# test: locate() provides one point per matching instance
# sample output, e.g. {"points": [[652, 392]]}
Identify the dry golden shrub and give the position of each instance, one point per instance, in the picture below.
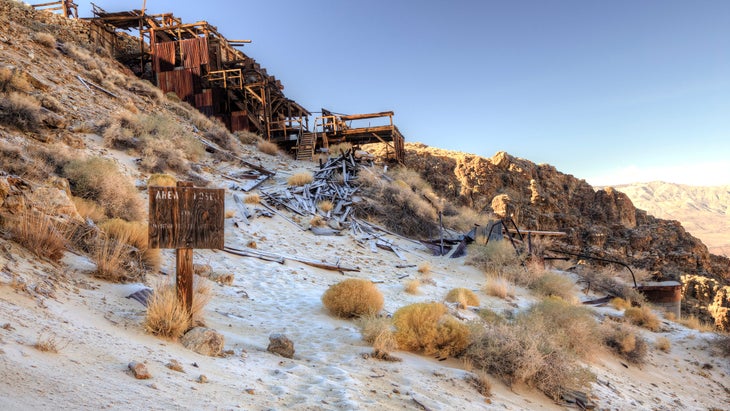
{"points": [[165, 316], [412, 286], [99, 179], [643, 317], [317, 221], [109, 255], [663, 344], [693, 322], [325, 206], [464, 297], [252, 199], [336, 150], [479, 379], [553, 284], [89, 209], [247, 137], [624, 341], [424, 268], [494, 257], [353, 297], [619, 303], [161, 180], [47, 343], [267, 147], [300, 179], [135, 233], [20, 111], [570, 326], [13, 80], [427, 328], [499, 287], [39, 234], [378, 331]]}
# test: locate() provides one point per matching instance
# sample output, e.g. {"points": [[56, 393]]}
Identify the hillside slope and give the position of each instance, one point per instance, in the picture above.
{"points": [[703, 211]]}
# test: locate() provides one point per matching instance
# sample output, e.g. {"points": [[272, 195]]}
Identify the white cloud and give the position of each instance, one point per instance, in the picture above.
{"points": [[701, 174]]}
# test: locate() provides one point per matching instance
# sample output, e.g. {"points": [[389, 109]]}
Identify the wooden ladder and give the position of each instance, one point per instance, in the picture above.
{"points": [[305, 147]]}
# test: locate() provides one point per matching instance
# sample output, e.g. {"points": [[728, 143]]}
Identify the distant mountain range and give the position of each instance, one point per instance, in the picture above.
{"points": [[703, 211]]}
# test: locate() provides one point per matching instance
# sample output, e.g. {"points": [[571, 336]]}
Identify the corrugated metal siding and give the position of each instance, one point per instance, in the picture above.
{"points": [[204, 102], [239, 121], [164, 58], [179, 81]]}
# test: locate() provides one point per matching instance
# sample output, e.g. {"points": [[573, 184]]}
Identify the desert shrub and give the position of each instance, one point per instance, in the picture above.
{"points": [[353, 297], [164, 140], [39, 234], [611, 281], [81, 56], [144, 88], [553, 284], [723, 344], [536, 349], [427, 328], [51, 103], [267, 147], [166, 317], [493, 258], [480, 380], [463, 297], [247, 137], [695, 323], [173, 97], [424, 268], [135, 233], [490, 316], [99, 179], [33, 161], [663, 344], [222, 138], [109, 255], [47, 342], [378, 332], [325, 206], [159, 156], [412, 286], [13, 80], [619, 303], [161, 180], [499, 287], [336, 150], [571, 327], [624, 341], [300, 179], [252, 199], [317, 221], [643, 317], [22, 112], [89, 209]]}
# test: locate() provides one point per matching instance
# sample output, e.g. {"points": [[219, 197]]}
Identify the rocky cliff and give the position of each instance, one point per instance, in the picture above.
{"points": [[600, 222]]}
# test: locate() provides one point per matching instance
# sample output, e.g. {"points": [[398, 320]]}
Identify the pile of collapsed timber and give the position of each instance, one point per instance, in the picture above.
{"points": [[332, 183]]}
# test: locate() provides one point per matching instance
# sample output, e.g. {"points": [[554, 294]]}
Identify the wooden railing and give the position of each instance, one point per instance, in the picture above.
{"points": [[67, 7]]}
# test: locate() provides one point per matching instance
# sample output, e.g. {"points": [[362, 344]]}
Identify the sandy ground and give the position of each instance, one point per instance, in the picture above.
{"points": [[99, 332]]}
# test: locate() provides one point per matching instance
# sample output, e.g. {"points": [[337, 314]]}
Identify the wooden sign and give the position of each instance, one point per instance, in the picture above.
{"points": [[186, 217]]}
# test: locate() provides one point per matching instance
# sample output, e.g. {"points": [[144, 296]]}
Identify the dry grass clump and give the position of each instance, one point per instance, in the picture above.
{"points": [[165, 145], [464, 297], [353, 297], [144, 88], [300, 179], [427, 328], [267, 147], [480, 380], [252, 199], [221, 137], [643, 317], [412, 286], [325, 206], [247, 137], [136, 235], [123, 131], [611, 281], [624, 341], [378, 332], [619, 303], [167, 317], [553, 284], [499, 287], [20, 111], [494, 257], [695, 323], [663, 344], [540, 347], [51, 103], [89, 209], [99, 179], [109, 254], [424, 268], [317, 221], [47, 343], [39, 234], [161, 180], [336, 150], [13, 80]]}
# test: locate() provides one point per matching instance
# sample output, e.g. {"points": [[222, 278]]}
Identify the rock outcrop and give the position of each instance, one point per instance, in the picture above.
{"points": [[704, 296]]}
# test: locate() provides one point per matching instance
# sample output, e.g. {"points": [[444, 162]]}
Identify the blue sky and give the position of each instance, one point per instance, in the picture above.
{"points": [[609, 91]]}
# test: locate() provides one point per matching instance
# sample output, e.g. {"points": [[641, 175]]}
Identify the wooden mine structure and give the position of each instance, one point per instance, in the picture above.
{"points": [[67, 7], [206, 70]]}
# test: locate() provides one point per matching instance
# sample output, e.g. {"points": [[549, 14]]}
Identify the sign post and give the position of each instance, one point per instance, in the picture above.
{"points": [[184, 218]]}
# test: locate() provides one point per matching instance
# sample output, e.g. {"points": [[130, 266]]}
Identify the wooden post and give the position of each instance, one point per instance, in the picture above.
{"points": [[184, 270], [441, 232]]}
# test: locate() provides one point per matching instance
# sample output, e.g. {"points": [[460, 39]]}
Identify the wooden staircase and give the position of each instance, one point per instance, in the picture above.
{"points": [[305, 146]]}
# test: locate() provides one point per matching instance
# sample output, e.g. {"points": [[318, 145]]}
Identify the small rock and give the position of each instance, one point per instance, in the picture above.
{"points": [[280, 344], [250, 391], [204, 341], [202, 379], [139, 370], [175, 366]]}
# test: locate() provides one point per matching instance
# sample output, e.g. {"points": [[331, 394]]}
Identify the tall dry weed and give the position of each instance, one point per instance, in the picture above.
{"points": [[39, 234]]}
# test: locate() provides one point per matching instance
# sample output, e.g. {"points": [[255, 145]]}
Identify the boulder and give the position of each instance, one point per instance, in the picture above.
{"points": [[139, 370], [204, 341], [280, 344]]}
